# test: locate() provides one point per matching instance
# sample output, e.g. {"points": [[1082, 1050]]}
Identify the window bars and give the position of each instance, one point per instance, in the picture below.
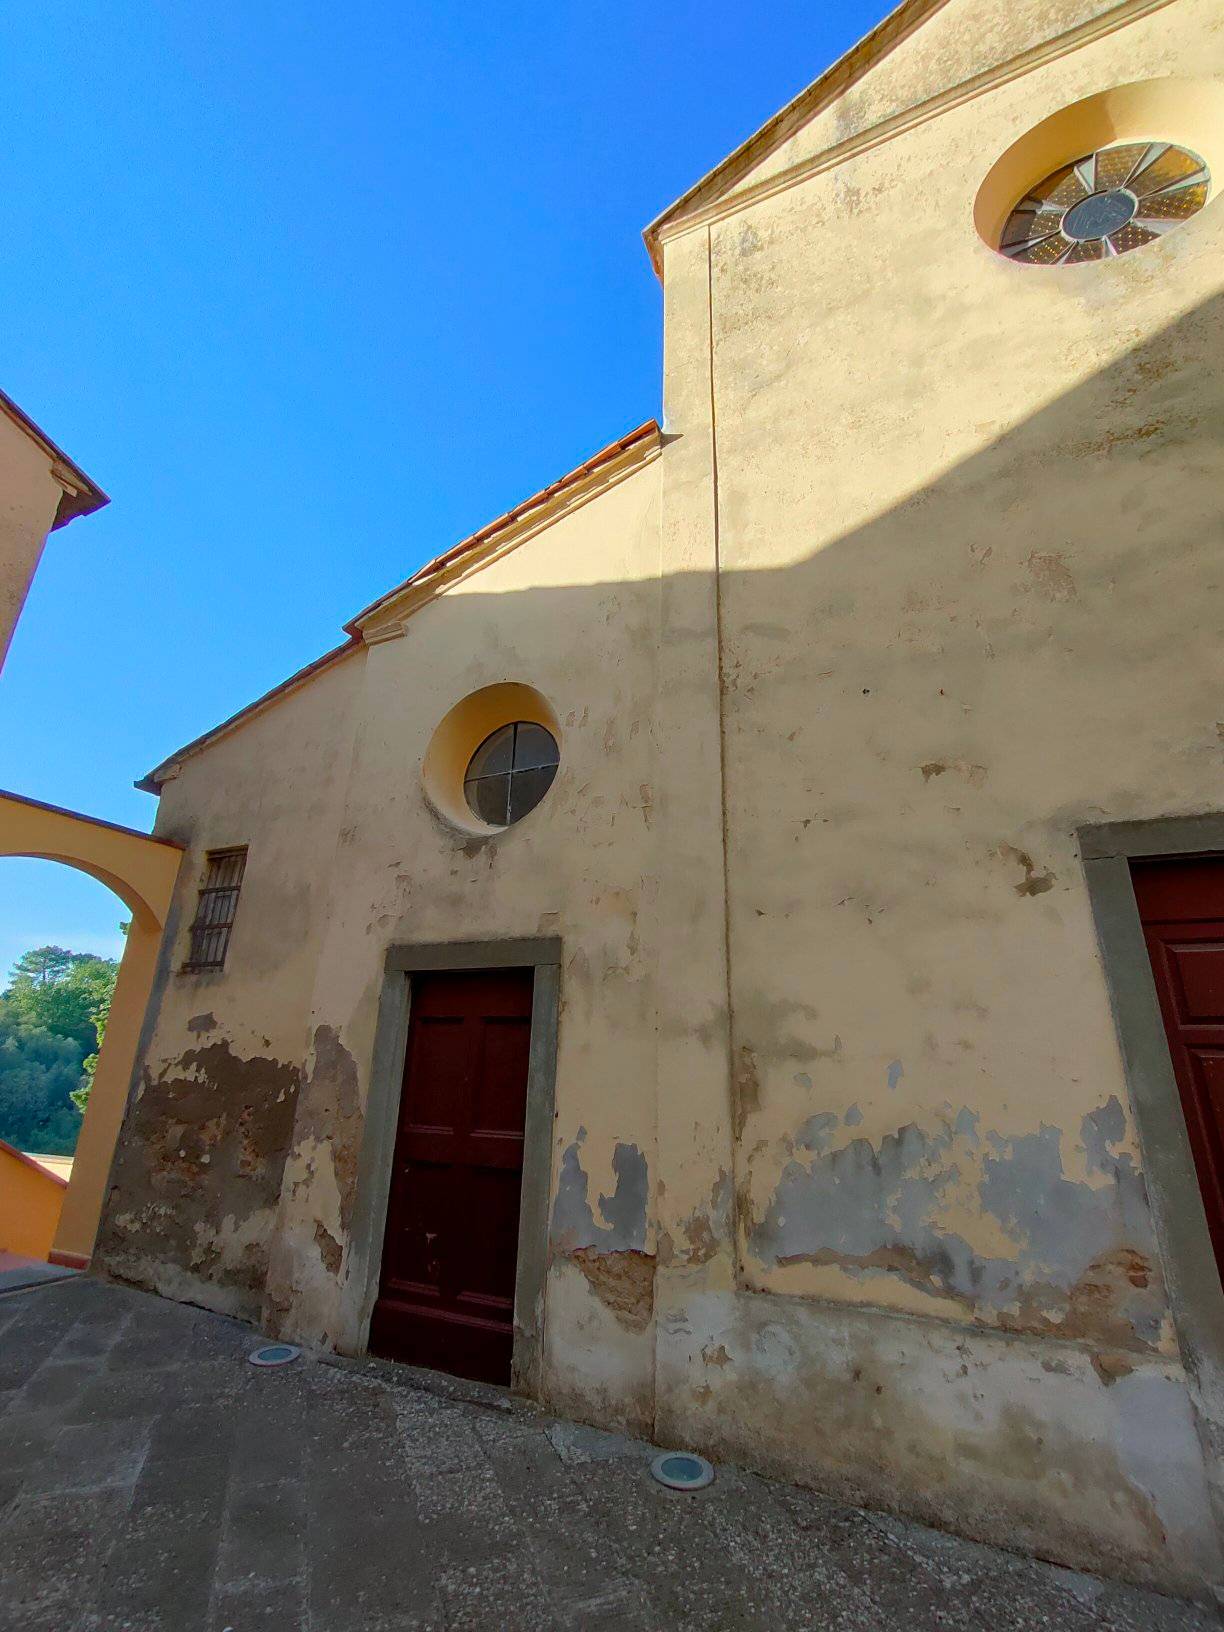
{"points": [[218, 903]]}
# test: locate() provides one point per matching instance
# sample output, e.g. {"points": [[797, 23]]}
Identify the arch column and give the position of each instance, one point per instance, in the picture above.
{"points": [[142, 872]]}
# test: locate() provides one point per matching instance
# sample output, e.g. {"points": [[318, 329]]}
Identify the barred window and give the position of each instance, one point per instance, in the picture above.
{"points": [[218, 904]]}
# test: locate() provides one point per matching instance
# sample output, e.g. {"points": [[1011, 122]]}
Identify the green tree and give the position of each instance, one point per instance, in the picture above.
{"points": [[43, 965], [52, 1019], [99, 1015], [38, 1072], [60, 991]]}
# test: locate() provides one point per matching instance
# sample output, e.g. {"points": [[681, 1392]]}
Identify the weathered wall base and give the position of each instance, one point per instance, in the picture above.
{"points": [[1021, 1442], [598, 1347]]}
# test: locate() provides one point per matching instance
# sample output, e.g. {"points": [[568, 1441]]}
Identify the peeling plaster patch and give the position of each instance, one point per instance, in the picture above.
{"points": [[974, 775], [895, 1072], [200, 1023], [706, 1229], [1033, 882], [1110, 1367], [747, 1089], [853, 1117], [1084, 1260], [1095, 1241], [610, 1254], [330, 1249], [197, 1176], [966, 1125], [1101, 1128], [623, 1212], [329, 1116], [1051, 576], [817, 1132], [622, 1281], [320, 1181]]}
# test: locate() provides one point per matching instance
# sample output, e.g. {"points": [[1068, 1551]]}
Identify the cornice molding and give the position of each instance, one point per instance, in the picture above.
{"points": [[671, 226]]}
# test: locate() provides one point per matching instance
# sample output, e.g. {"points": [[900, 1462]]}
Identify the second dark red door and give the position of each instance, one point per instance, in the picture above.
{"points": [[1181, 905], [450, 1252]]}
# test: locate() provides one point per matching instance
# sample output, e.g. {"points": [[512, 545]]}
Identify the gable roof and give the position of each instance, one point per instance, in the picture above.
{"points": [[81, 495], [642, 439], [469, 554], [908, 16]]}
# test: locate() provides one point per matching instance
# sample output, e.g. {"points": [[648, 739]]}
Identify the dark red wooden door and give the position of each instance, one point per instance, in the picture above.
{"points": [[1181, 905], [446, 1295]]}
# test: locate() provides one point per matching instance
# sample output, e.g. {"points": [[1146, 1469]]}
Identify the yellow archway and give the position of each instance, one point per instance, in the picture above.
{"points": [[141, 871]]}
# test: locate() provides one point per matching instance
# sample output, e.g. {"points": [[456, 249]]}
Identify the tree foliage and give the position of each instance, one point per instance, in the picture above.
{"points": [[52, 1017]]}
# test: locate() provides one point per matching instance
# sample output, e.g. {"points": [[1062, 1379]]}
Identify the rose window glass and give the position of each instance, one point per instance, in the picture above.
{"points": [[1105, 204]]}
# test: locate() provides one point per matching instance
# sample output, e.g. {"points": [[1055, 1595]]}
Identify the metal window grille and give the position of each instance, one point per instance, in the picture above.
{"points": [[218, 903]]}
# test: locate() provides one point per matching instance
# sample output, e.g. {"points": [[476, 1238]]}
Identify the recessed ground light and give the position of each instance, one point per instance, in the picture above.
{"points": [[680, 1470], [274, 1354]]}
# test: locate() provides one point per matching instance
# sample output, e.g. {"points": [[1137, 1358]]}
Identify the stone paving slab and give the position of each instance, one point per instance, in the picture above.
{"points": [[152, 1481], [14, 1276]]}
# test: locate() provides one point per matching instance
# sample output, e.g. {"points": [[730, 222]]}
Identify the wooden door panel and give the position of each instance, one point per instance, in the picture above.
{"points": [[1196, 969], [418, 1261], [450, 1252], [492, 1253], [501, 1095], [438, 1060], [1181, 906]]}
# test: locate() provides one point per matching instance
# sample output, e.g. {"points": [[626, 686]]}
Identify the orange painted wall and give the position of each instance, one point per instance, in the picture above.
{"points": [[31, 1199]]}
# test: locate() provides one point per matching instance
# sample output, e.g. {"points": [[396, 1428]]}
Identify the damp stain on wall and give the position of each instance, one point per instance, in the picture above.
{"points": [[1080, 1258]]}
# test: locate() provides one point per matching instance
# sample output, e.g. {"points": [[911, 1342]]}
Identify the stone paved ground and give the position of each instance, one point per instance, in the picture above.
{"points": [[152, 1481]]}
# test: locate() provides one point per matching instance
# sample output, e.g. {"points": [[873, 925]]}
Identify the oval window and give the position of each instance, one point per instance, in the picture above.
{"points": [[510, 772], [1106, 204]]}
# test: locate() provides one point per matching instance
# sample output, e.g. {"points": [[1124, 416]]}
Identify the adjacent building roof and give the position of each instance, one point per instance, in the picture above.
{"points": [[82, 495], [644, 439]]}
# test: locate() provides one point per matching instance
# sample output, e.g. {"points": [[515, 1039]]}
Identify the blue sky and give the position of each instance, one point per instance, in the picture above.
{"points": [[313, 291]]}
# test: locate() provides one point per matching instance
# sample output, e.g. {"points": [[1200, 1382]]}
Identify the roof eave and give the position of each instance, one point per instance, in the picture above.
{"points": [[643, 438], [160, 774], [613, 460], [823, 90], [81, 494]]}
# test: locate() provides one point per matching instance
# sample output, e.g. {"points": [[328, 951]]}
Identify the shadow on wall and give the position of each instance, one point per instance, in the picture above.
{"points": [[1020, 647]]}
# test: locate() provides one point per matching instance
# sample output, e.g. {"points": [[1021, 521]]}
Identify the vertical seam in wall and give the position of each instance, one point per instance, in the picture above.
{"points": [[722, 764]]}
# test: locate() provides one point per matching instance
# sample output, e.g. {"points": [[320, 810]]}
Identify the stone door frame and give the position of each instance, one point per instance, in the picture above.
{"points": [[402, 962], [1178, 1213]]}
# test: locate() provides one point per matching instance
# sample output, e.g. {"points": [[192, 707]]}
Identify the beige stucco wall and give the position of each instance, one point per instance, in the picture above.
{"points": [[579, 600], [196, 1181], [935, 651], [845, 1178], [968, 526], [347, 856], [29, 498]]}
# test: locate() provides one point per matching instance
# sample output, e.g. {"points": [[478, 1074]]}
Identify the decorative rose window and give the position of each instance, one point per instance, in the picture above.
{"points": [[1106, 204]]}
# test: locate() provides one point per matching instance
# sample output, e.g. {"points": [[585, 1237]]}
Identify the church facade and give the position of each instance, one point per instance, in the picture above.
{"points": [[732, 949]]}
